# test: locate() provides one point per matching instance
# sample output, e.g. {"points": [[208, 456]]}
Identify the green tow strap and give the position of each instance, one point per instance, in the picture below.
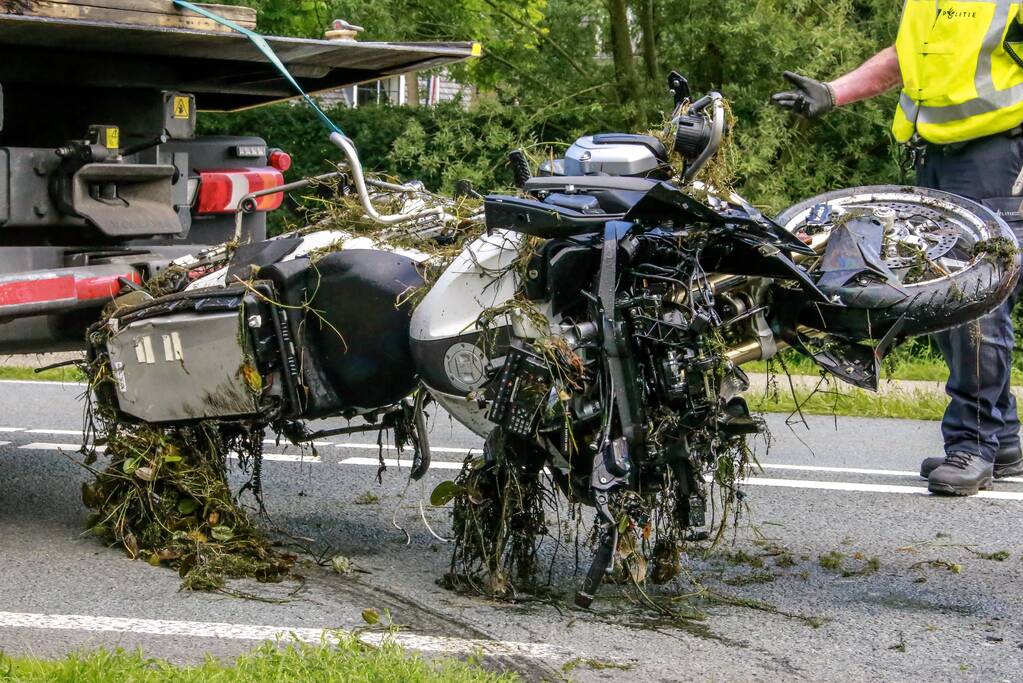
{"points": [[264, 47]]}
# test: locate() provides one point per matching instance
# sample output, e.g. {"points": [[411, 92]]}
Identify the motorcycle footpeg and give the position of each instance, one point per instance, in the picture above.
{"points": [[737, 421]]}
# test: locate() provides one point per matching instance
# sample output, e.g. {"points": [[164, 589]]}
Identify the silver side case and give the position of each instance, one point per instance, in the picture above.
{"points": [[182, 367]]}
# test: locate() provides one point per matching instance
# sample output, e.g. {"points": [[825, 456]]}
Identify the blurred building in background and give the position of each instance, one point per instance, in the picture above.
{"points": [[412, 89]]}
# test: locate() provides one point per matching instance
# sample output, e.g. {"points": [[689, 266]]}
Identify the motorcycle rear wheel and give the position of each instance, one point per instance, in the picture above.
{"points": [[956, 285]]}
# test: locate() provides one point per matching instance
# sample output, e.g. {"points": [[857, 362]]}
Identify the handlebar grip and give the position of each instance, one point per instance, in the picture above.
{"points": [[520, 167]]}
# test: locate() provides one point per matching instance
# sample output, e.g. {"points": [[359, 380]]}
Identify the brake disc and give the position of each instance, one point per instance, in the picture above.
{"points": [[944, 240]]}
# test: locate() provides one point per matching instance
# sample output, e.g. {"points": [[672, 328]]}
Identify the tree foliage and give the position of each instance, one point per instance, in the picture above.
{"points": [[555, 69]]}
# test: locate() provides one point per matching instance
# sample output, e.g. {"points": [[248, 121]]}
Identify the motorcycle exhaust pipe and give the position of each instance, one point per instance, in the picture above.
{"points": [[753, 350]]}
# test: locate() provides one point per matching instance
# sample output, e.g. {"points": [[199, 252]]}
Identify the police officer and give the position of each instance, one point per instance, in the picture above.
{"points": [[960, 65]]}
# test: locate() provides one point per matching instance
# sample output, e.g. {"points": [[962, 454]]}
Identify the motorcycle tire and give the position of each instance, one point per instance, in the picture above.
{"points": [[870, 309]]}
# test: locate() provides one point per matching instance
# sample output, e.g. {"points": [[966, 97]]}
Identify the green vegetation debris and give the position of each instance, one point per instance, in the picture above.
{"points": [[164, 498], [831, 560], [367, 498], [342, 564], [953, 567], [594, 664], [998, 556]]}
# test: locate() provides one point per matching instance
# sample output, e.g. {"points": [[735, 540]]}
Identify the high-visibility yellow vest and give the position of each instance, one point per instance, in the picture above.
{"points": [[959, 79]]}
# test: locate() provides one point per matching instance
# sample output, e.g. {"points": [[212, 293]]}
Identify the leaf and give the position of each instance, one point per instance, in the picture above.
{"points": [[444, 493], [214, 518], [145, 473], [637, 567], [154, 559], [91, 497], [222, 533], [187, 506], [371, 616], [252, 378], [197, 536], [130, 465], [168, 554], [171, 453], [342, 565], [131, 545]]}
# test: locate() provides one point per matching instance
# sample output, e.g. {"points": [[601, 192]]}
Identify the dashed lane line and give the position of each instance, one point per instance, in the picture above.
{"points": [[225, 631], [393, 462], [434, 449], [70, 447], [45, 446], [754, 481]]}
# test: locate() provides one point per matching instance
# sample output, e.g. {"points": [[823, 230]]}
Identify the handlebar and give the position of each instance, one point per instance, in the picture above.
{"points": [[355, 168]]}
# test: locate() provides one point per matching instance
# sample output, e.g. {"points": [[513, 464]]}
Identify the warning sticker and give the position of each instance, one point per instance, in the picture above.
{"points": [[113, 140], [182, 107]]}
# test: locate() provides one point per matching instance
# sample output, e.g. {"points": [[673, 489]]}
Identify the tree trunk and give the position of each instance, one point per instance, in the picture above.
{"points": [[648, 23], [621, 50]]}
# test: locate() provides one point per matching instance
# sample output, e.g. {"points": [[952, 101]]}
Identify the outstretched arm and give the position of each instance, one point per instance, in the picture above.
{"points": [[876, 76], [811, 98]]}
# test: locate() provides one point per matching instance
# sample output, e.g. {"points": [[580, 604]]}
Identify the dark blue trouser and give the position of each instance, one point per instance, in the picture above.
{"points": [[981, 417]]}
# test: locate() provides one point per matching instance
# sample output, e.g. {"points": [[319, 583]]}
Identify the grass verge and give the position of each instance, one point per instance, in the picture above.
{"points": [[851, 402], [349, 660], [924, 364], [54, 375]]}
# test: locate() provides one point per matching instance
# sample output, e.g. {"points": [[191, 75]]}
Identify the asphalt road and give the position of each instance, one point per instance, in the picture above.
{"points": [[935, 607]]}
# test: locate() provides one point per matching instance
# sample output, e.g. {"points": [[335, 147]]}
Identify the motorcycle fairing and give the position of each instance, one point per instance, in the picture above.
{"points": [[539, 219], [854, 250]]}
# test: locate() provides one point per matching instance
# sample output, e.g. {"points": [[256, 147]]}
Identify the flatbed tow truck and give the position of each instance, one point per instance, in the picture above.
{"points": [[103, 179]]}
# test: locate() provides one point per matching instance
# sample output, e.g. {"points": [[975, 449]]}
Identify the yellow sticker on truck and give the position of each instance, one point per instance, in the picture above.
{"points": [[182, 107], [113, 140]]}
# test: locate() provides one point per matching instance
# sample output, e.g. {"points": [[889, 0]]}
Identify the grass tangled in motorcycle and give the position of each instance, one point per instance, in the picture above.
{"points": [[164, 498]]}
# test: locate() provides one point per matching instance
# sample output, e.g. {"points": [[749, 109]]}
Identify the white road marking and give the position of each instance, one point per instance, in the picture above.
{"points": [[43, 446], [858, 470], [5, 443], [37, 382], [62, 432], [392, 462], [839, 470], [8, 430], [200, 629], [286, 443], [435, 449], [448, 465], [282, 457], [868, 488], [70, 447]]}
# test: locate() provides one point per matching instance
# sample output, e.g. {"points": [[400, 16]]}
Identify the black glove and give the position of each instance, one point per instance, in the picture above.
{"points": [[810, 99]]}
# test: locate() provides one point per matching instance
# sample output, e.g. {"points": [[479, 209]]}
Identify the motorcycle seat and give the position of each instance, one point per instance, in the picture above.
{"points": [[532, 217]]}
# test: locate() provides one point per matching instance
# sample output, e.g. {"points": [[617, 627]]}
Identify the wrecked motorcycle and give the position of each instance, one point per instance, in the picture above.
{"points": [[591, 327]]}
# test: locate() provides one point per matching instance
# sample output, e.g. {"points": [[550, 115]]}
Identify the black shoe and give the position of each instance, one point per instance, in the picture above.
{"points": [[961, 474], [1008, 463]]}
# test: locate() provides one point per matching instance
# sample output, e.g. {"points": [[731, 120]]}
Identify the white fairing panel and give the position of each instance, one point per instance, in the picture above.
{"points": [[481, 277]]}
